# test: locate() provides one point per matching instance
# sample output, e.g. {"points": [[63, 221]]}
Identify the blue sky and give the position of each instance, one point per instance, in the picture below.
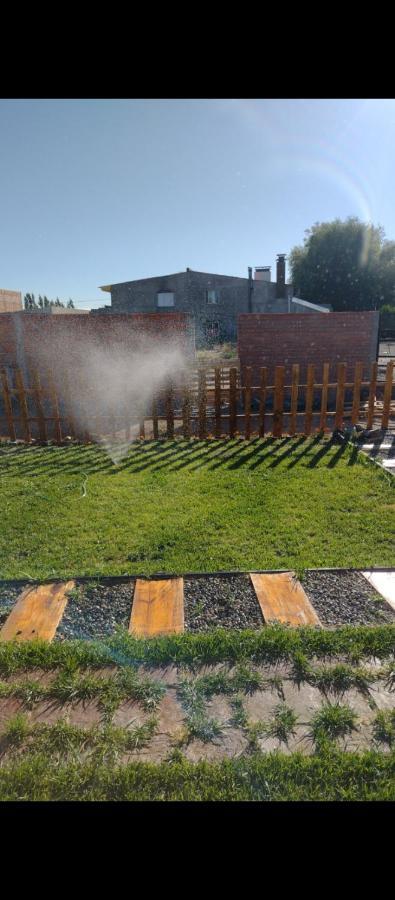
{"points": [[101, 191]]}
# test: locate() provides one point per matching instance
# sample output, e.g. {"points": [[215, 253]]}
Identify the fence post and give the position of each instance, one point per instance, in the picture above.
{"points": [[324, 396], [341, 378], [36, 383], [55, 407], [202, 400], [387, 395], [217, 402], [294, 398], [372, 395], [67, 395], [262, 402], [8, 405], [24, 414], [247, 403], [278, 402], [169, 412], [155, 418], [309, 399], [232, 401], [356, 399], [186, 413]]}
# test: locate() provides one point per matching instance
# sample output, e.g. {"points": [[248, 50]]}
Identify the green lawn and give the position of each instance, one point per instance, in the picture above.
{"points": [[199, 506]]}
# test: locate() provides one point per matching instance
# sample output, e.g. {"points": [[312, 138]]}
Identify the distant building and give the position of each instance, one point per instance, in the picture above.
{"points": [[10, 301]]}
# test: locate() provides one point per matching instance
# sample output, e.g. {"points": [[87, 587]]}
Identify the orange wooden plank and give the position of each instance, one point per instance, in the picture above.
{"points": [[37, 612], [282, 599], [158, 607]]}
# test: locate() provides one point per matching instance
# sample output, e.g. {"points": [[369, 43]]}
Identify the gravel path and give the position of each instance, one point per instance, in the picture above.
{"points": [[345, 598], [96, 611], [220, 602], [8, 598]]}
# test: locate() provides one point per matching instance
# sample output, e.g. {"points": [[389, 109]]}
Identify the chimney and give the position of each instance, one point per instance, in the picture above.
{"points": [[262, 273], [280, 286]]}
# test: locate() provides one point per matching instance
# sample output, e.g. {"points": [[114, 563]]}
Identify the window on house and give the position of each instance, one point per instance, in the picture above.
{"points": [[212, 296], [166, 298]]}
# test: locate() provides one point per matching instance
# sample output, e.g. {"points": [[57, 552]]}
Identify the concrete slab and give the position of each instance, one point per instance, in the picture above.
{"points": [[384, 583]]}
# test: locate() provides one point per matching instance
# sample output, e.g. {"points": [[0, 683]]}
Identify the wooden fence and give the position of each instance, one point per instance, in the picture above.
{"points": [[211, 405]]}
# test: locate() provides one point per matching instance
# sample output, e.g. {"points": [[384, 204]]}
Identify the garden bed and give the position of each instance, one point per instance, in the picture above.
{"points": [[94, 611], [221, 602], [346, 598]]}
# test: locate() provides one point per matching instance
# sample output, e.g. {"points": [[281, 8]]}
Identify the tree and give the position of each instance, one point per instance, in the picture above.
{"points": [[348, 264], [44, 303]]}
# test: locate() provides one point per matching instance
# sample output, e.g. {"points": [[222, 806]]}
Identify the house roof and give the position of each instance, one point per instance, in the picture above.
{"points": [[109, 287]]}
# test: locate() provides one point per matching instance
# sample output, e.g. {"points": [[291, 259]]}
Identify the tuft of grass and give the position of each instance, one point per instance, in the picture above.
{"points": [[203, 728], [16, 731], [342, 677], [239, 717], [254, 731], [331, 722], [301, 669], [384, 727], [282, 724], [247, 679]]}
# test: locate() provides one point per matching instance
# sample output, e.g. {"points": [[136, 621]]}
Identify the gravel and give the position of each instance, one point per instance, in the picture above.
{"points": [[8, 597], [220, 602], [95, 612], [346, 598]]}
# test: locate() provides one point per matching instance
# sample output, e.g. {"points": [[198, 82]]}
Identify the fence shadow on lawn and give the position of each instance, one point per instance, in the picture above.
{"points": [[175, 456]]}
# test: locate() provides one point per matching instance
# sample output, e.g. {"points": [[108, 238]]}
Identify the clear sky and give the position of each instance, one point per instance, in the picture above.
{"points": [[95, 192]]}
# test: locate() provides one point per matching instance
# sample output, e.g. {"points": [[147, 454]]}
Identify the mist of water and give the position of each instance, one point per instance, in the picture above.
{"points": [[105, 385]]}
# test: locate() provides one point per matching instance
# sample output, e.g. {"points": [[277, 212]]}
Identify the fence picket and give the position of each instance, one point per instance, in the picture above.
{"points": [[324, 396], [202, 404], [170, 412], [232, 402], [341, 378], [155, 418], [24, 413], [387, 395], [42, 428], [356, 400], [278, 401], [294, 398], [217, 402], [8, 405], [55, 407], [372, 395], [247, 403], [262, 402], [309, 399]]}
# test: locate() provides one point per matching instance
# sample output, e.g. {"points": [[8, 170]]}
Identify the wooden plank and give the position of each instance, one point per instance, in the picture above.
{"points": [[356, 399], [24, 414], [262, 402], [8, 405], [372, 396], [341, 378], [387, 395], [324, 396], [37, 391], [232, 401], [202, 403], [158, 607], [278, 401], [217, 401], [55, 407], [170, 412], [186, 413], [155, 418], [37, 612], [247, 402], [282, 599], [294, 398], [309, 399]]}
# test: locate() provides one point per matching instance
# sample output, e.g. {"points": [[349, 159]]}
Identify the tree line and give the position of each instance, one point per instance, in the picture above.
{"points": [[30, 302]]}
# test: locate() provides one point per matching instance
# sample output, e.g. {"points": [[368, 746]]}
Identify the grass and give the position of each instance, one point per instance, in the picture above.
{"points": [[180, 506], [326, 776], [273, 644], [332, 722], [282, 724]]}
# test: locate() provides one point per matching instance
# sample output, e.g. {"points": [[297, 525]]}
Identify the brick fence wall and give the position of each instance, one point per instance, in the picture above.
{"points": [[24, 335], [285, 339]]}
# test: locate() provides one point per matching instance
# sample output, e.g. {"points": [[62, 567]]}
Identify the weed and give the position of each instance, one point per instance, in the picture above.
{"points": [[239, 717], [254, 731], [202, 728], [247, 679], [341, 678], [301, 669], [331, 722], [282, 724], [16, 731], [384, 727]]}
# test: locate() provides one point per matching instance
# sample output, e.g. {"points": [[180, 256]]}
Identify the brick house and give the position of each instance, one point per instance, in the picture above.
{"points": [[215, 301]]}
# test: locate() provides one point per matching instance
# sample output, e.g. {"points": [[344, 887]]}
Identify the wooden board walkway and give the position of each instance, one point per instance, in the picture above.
{"points": [[37, 612], [282, 599], [158, 607]]}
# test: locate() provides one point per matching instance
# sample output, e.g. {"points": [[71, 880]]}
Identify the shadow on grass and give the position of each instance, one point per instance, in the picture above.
{"points": [[175, 455]]}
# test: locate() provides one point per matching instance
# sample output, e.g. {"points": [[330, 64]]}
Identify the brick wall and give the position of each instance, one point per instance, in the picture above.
{"points": [[24, 335], [10, 301], [284, 339]]}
